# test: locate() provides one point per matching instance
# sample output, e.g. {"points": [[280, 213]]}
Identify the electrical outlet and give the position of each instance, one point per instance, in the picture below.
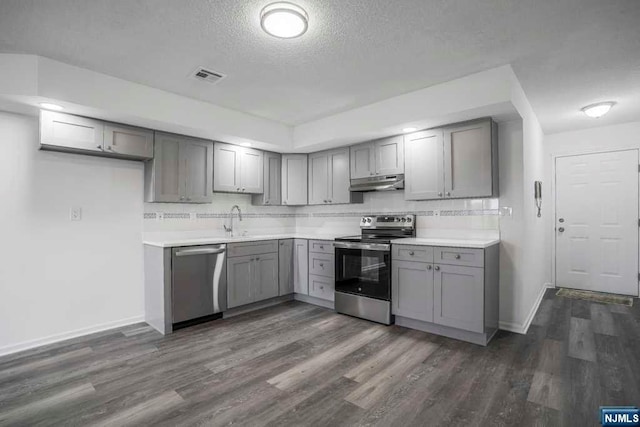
{"points": [[436, 212], [159, 216], [75, 214], [506, 211]]}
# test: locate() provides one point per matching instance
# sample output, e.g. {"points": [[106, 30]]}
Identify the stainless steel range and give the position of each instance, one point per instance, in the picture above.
{"points": [[363, 267]]}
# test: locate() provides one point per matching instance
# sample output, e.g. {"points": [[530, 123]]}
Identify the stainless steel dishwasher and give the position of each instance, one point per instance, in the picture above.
{"points": [[198, 284]]}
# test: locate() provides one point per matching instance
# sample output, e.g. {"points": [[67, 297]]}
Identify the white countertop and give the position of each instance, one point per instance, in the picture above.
{"points": [[454, 243], [176, 239]]}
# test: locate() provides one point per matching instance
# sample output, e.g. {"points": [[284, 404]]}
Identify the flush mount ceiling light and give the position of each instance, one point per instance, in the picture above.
{"points": [[598, 110], [409, 129], [50, 106], [284, 20]]}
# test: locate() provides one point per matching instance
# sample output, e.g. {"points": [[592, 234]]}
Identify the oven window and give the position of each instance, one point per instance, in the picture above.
{"points": [[363, 272]]}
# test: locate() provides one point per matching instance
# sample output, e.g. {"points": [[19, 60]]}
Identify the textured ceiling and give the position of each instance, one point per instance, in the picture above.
{"points": [[566, 53]]}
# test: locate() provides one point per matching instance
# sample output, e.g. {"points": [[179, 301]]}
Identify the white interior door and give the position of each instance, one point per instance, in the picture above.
{"points": [[596, 227]]}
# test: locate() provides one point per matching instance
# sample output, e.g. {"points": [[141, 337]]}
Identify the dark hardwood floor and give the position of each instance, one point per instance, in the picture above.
{"points": [[297, 364]]}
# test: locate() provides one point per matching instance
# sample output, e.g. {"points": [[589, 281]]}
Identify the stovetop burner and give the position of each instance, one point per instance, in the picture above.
{"points": [[383, 229]]}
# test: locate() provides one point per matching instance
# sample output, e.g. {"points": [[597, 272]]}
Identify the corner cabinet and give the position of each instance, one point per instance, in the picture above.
{"points": [[272, 181], [329, 178], [447, 291], [237, 169], [380, 157], [181, 170], [457, 161], [294, 179], [75, 134]]}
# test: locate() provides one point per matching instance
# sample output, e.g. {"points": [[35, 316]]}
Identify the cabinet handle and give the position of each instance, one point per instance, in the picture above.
{"points": [[321, 246], [448, 193], [428, 267], [99, 147], [437, 267], [457, 256], [266, 202], [329, 200], [257, 258], [188, 198], [439, 194], [109, 148], [181, 197], [238, 189], [322, 287], [243, 189], [321, 265], [370, 173], [284, 202], [411, 253], [281, 243]]}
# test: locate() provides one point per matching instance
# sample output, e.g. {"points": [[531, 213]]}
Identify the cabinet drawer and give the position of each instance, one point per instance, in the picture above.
{"points": [[412, 253], [322, 264], [459, 256], [321, 287], [321, 246], [252, 248]]}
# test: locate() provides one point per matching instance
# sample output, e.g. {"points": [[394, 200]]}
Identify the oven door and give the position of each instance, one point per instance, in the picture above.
{"points": [[363, 269]]}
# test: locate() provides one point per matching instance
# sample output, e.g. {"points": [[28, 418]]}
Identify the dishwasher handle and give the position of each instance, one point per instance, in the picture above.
{"points": [[209, 250]]}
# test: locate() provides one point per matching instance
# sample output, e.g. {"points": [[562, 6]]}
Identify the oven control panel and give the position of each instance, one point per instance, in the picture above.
{"points": [[391, 221]]}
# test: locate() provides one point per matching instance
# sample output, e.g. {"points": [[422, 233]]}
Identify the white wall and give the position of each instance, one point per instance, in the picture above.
{"points": [[605, 138], [60, 278]]}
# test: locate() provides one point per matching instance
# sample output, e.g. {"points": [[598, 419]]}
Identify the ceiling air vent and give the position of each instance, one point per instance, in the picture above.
{"points": [[206, 75]]}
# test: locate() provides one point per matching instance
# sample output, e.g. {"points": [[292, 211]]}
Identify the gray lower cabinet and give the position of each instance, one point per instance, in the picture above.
{"points": [[321, 269], [181, 170], [458, 297], [412, 291], [285, 266], [447, 291], [322, 287], [301, 266], [253, 276]]}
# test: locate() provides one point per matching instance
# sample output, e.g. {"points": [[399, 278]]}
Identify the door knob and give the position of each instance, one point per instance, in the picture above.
{"points": [[561, 229]]}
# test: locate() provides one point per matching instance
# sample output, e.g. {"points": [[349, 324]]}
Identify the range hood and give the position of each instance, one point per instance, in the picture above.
{"points": [[378, 183]]}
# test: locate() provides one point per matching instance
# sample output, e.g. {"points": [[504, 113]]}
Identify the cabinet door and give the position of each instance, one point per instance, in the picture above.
{"points": [[362, 161], [251, 167], [294, 179], [424, 177], [322, 287], [197, 161], [389, 154], [128, 141], [72, 132], [226, 168], [301, 266], [285, 266], [240, 278], [265, 284], [319, 179], [164, 171], [339, 176], [271, 177], [458, 297], [467, 160], [412, 290]]}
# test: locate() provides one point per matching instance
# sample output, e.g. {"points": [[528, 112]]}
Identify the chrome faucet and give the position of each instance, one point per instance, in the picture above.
{"points": [[229, 229]]}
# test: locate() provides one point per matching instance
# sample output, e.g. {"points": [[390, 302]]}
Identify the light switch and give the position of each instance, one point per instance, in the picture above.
{"points": [[76, 213]]}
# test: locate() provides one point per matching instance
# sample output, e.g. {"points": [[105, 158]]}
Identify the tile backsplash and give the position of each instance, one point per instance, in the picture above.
{"points": [[471, 217]]}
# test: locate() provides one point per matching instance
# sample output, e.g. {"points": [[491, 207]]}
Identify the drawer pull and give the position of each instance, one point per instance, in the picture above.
{"points": [[437, 268], [411, 253], [321, 246], [457, 256], [322, 265]]}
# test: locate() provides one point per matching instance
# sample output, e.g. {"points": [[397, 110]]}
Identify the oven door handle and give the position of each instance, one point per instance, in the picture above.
{"points": [[363, 246]]}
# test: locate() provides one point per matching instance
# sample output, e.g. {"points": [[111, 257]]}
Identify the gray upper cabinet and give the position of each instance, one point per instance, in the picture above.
{"points": [[59, 130], [294, 179], [128, 141], [285, 266], [471, 160], [237, 169], [272, 181], [380, 157], [329, 178], [412, 290], [301, 266], [424, 175], [459, 297], [181, 170], [458, 161], [66, 132]]}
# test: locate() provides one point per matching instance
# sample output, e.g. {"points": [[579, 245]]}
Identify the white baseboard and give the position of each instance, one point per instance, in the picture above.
{"points": [[519, 328], [26, 345]]}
